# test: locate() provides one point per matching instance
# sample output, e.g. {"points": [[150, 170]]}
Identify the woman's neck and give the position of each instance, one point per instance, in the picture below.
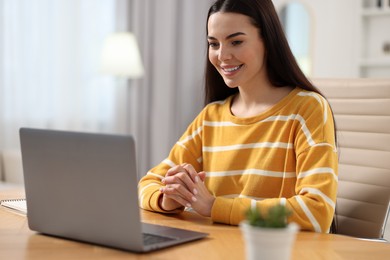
{"points": [[256, 100]]}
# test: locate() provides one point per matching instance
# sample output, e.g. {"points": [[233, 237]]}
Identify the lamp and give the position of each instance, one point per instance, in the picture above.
{"points": [[121, 57]]}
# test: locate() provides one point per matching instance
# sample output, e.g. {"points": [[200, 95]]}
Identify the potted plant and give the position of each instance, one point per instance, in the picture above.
{"points": [[268, 236]]}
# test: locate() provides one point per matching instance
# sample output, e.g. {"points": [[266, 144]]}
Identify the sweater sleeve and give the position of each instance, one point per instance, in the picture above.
{"points": [[186, 150]]}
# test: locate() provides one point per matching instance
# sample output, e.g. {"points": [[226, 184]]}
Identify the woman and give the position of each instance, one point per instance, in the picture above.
{"points": [[266, 135]]}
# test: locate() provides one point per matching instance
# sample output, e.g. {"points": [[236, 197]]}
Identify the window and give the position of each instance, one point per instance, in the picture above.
{"points": [[49, 57]]}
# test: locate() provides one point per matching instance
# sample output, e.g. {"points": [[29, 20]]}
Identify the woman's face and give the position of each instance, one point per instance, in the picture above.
{"points": [[236, 49]]}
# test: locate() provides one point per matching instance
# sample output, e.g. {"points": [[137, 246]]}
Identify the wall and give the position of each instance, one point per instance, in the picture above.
{"points": [[334, 26]]}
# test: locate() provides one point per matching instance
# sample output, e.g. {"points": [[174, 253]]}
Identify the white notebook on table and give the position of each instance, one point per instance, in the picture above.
{"points": [[17, 205]]}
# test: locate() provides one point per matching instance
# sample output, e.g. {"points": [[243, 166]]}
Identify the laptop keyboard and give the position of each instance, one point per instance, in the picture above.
{"points": [[150, 239]]}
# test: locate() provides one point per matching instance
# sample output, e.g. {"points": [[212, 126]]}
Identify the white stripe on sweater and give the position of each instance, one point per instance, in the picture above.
{"points": [[190, 137], [320, 99], [141, 192], [233, 196], [247, 146], [252, 172], [253, 204], [322, 170], [319, 193], [294, 117], [169, 163], [309, 215], [155, 175], [219, 124]]}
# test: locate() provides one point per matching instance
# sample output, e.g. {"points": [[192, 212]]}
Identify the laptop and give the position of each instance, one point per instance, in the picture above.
{"points": [[83, 186]]}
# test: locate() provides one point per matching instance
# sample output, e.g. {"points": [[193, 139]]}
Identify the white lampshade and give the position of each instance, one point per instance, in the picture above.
{"points": [[121, 56]]}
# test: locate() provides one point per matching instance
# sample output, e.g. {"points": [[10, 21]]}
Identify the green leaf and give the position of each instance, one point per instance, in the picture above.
{"points": [[275, 218]]}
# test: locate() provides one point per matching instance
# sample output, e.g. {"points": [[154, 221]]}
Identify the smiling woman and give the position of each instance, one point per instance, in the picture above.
{"points": [[266, 135]]}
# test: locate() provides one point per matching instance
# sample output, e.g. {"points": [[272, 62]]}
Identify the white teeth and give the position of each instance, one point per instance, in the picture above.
{"points": [[232, 69]]}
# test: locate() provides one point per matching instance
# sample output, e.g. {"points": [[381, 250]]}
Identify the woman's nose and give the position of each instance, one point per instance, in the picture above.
{"points": [[224, 53]]}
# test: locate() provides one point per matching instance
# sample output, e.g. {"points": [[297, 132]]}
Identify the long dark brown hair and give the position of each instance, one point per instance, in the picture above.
{"points": [[282, 68]]}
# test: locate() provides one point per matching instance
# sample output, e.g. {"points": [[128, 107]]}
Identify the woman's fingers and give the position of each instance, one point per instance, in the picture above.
{"points": [[191, 172], [183, 179], [167, 203], [178, 193], [179, 200], [185, 186], [202, 176], [174, 170], [205, 200], [183, 174]]}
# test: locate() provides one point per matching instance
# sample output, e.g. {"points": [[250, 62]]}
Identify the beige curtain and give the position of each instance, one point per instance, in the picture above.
{"points": [[171, 35], [49, 76]]}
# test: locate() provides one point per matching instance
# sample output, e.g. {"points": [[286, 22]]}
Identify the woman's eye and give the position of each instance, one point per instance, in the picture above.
{"points": [[234, 43], [213, 44]]}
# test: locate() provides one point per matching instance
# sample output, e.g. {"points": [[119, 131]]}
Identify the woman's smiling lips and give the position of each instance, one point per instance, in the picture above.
{"points": [[229, 70]]}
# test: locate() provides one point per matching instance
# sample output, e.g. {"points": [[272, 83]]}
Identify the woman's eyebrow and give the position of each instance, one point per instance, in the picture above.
{"points": [[227, 37]]}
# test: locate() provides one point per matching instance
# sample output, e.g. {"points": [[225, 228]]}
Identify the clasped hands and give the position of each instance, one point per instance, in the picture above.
{"points": [[184, 186]]}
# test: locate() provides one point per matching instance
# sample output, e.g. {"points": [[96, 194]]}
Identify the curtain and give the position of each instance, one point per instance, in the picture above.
{"points": [[171, 34], [49, 75]]}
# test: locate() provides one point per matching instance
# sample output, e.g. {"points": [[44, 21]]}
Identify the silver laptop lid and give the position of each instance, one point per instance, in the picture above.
{"points": [[82, 186]]}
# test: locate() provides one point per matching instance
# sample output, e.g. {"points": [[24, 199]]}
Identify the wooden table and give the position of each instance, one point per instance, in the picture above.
{"points": [[224, 242]]}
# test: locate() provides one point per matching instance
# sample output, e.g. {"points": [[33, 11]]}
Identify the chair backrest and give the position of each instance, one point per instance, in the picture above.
{"points": [[362, 114]]}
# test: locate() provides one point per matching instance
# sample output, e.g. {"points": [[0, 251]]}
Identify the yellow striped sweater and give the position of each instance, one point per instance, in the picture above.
{"points": [[285, 155]]}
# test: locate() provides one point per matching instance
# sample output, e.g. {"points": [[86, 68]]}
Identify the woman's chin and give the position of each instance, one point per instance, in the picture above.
{"points": [[230, 83]]}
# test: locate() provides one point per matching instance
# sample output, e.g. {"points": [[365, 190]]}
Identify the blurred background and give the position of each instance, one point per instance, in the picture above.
{"points": [[56, 70]]}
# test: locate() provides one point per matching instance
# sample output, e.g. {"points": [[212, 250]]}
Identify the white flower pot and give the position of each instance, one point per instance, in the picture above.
{"points": [[268, 243]]}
